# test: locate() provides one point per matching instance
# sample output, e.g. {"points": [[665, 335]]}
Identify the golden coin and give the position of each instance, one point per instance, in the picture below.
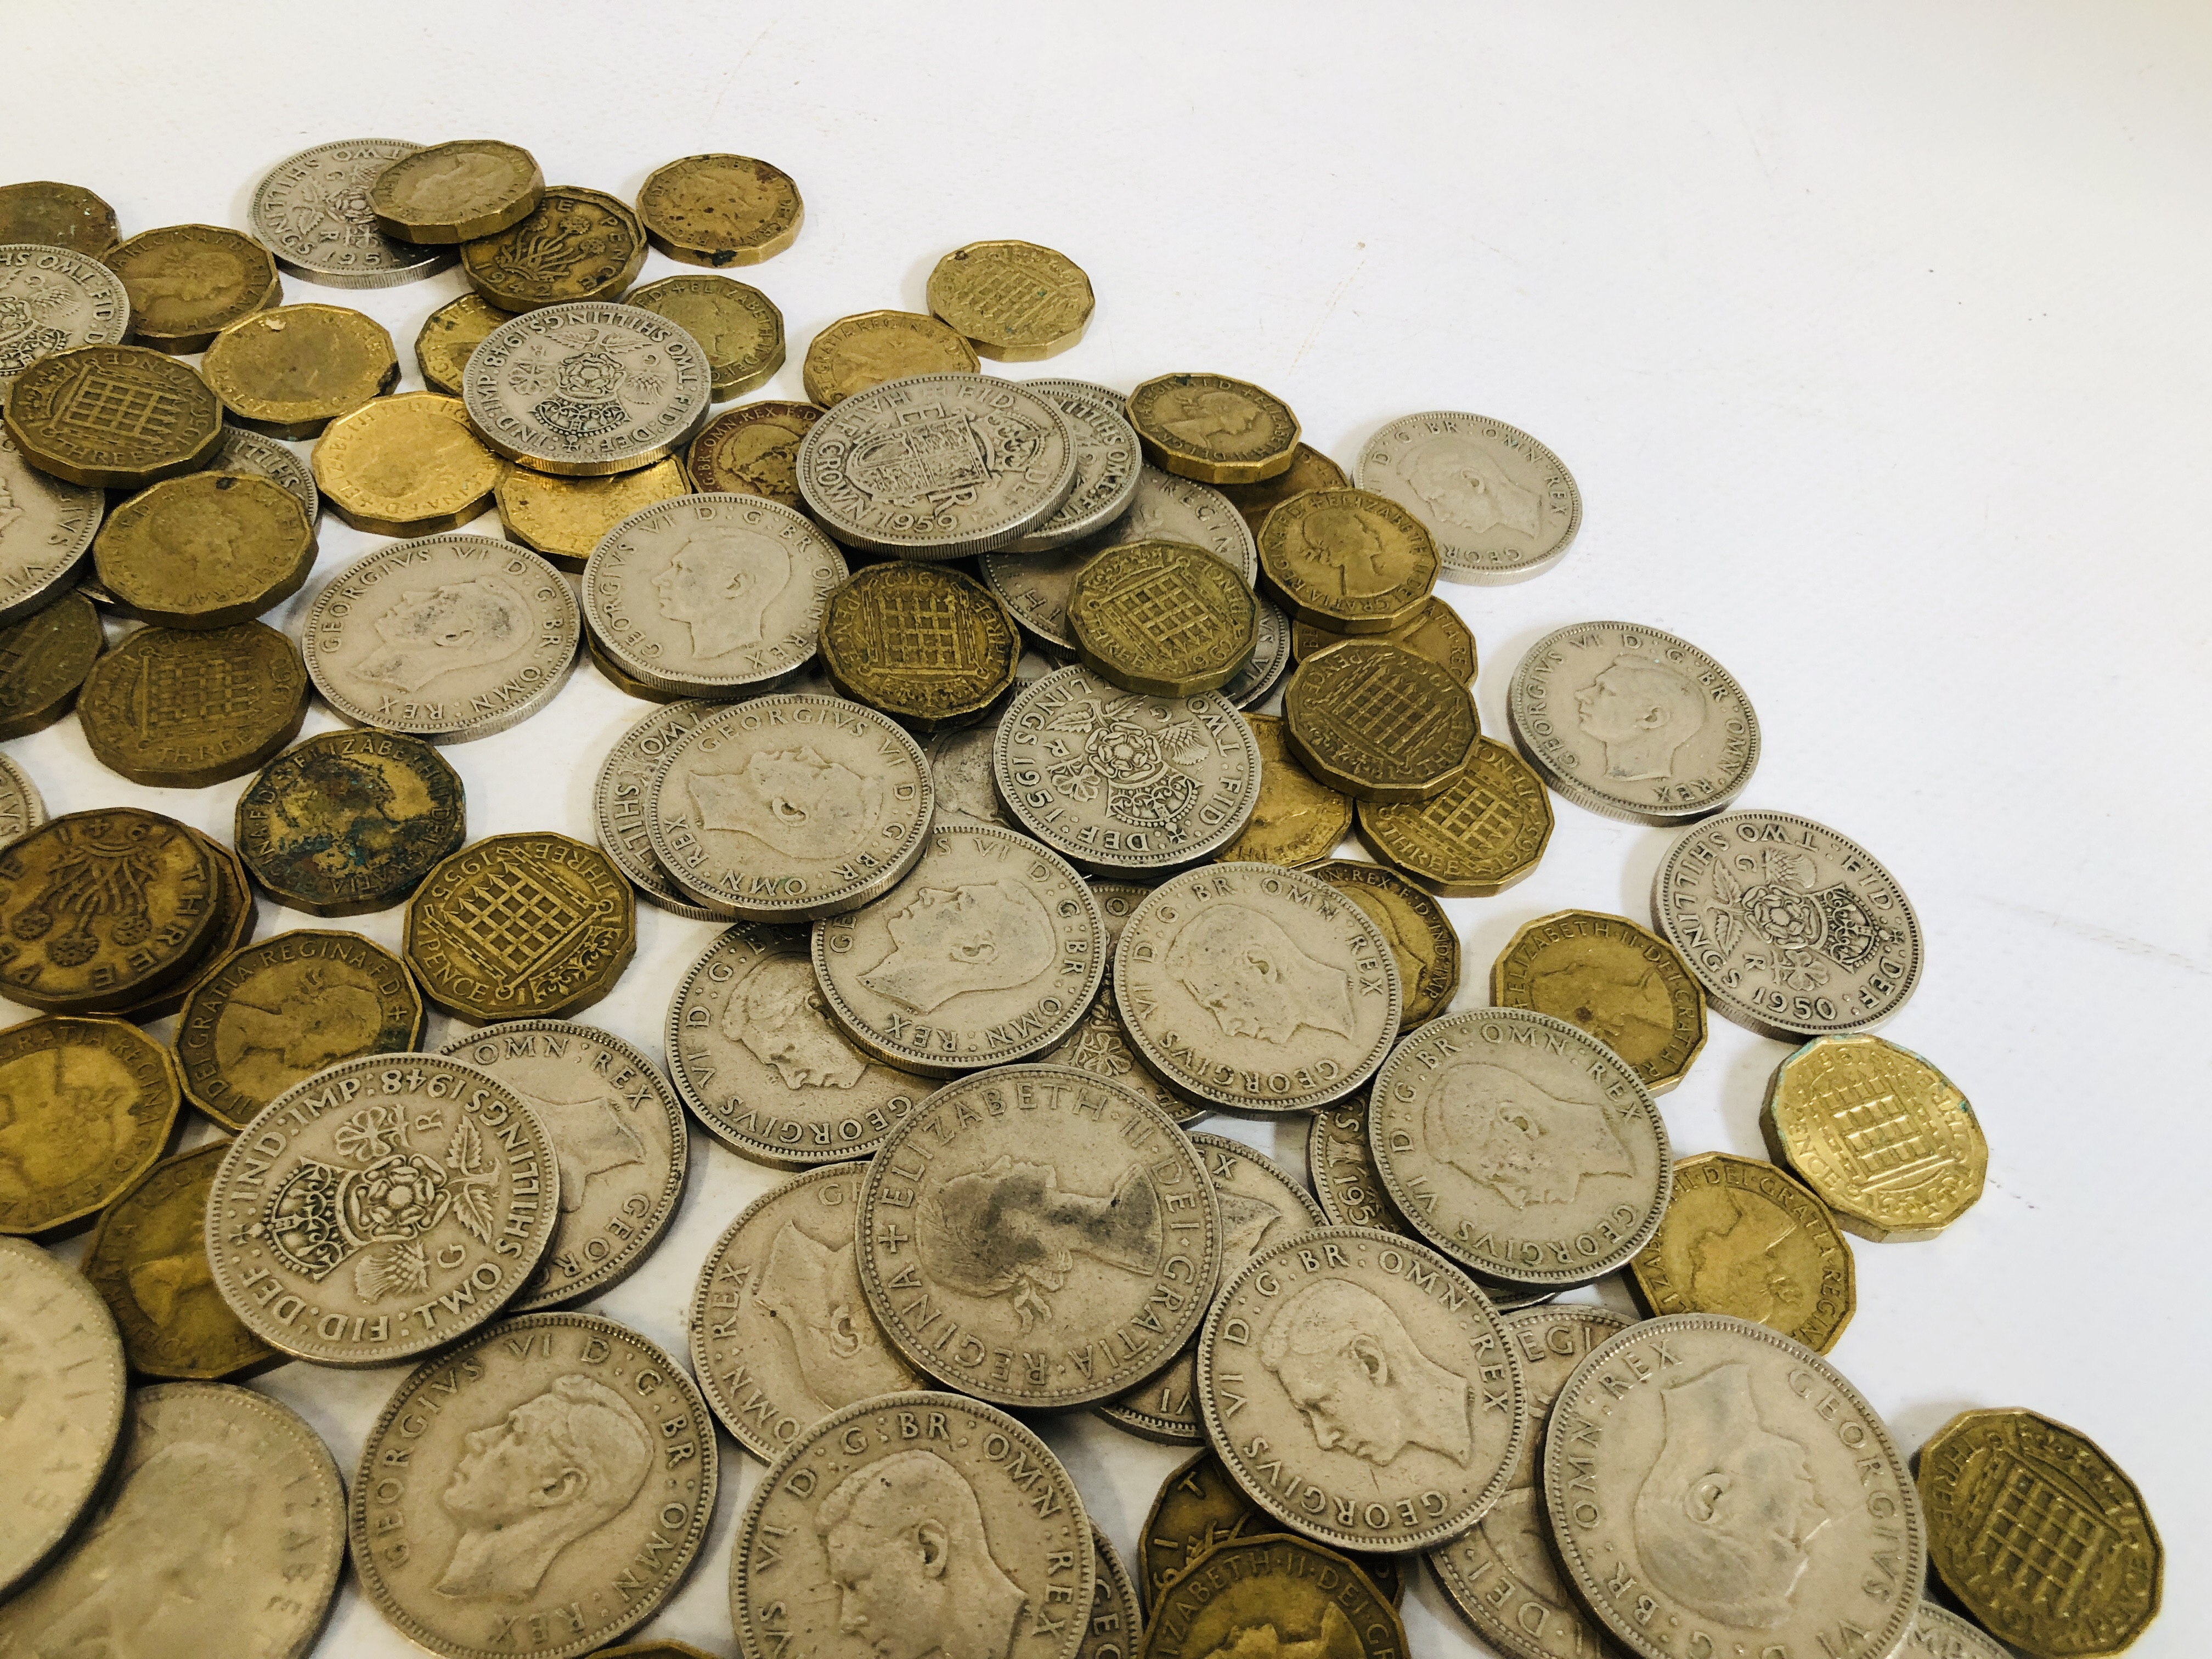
{"points": [[856, 352], [1309, 469], [576, 244], [188, 282], [148, 1261], [737, 327], [1624, 984], [2042, 1536], [1476, 839], [1353, 562], [1164, 619], [456, 191], [1888, 1141], [1380, 723], [564, 518], [44, 659], [350, 822], [408, 465], [753, 450], [291, 371], [178, 709], [119, 416], [1298, 818], [524, 927], [1434, 632], [1262, 1585], [48, 215], [1015, 302], [205, 551], [1198, 1506], [1740, 1238], [1213, 428], [234, 919], [1420, 934], [927, 646], [91, 1102], [721, 210], [448, 335]]}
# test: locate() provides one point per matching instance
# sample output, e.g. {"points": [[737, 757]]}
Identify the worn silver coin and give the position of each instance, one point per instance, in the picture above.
{"points": [[1271, 655], [1117, 1625], [1936, 1634], [618, 805], [63, 1362], [52, 299], [46, 527], [21, 811], [1500, 506], [960, 772], [243, 450], [1107, 463], [587, 388], [1100, 1045], [312, 211]]}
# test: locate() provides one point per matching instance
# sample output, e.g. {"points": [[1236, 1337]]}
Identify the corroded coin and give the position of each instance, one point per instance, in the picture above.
{"points": [[1794, 930], [454, 192], [1309, 469], [45, 531], [537, 1492], [927, 646], [1520, 1145], [207, 550], [234, 919], [1342, 1166], [1260, 1204], [1741, 1237], [987, 951], [1627, 988], [788, 808], [1434, 632], [57, 215], [241, 451], [119, 416], [1256, 989], [1210, 427], [736, 324], [408, 465], [312, 210], [1501, 506], [448, 335], [761, 1064], [1298, 818], [1164, 619], [1420, 934], [1885, 1139], [1483, 833], [753, 450], [1350, 561], [720, 210], [532, 926], [576, 246], [99, 910], [349, 822], [1380, 723], [1107, 467], [1710, 1478], [43, 660], [618, 805], [90, 1105], [65, 1365], [292, 370], [188, 282], [871, 347], [780, 1336], [1936, 1634], [447, 637], [20, 809], [1199, 1508], [587, 388], [1015, 302], [618, 1136], [51, 299], [565, 518], [179, 709], [1273, 1592], [960, 774]]}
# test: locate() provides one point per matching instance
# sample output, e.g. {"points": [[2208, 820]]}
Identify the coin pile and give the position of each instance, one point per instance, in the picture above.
{"points": [[988, 939]]}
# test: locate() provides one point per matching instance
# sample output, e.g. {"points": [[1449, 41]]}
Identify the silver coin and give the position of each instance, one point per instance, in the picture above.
{"points": [[789, 808], [587, 388], [1633, 723], [1107, 462], [446, 637], [618, 1136], [1271, 655], [246, 450], [711, 596], [63, 1362], [46, 527], [1520, 1145], [51, 299], [936, 466], [1936, 1634], [1117, 1625], [618, 805], [1501, 506], [1793, 930], [960, 772], [1099, 1045], [1715, 1486], [312, 211], [21, 811], [988, 951], [1122, 782], [759, 1062]]}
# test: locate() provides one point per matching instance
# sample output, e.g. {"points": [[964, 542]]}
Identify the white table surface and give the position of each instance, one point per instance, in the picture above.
{"points": [[1876, 339]]}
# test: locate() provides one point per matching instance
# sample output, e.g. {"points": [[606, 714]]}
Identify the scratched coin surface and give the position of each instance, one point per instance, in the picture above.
{"points": [[56, 215], [188, 282], [205, 551], [1200, 1507], [618, 805], [532, 925], [960, 773], [1627, 988], [1274, 1593], [1421, 936], [587, 388], [291, 370], [1501, 506], [46, 528], [101, 909], [119, 417], [63, 1362], [312, 211], [51, 299], [753, 450], [720, 210], [1107, 467]]}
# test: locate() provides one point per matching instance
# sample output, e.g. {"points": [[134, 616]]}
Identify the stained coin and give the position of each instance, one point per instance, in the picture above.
{"points": [[57, 215], [408, 465], [565, 518], [51, 299], [1627, 988], [20, 809], [91, 1102], [1741, 1237], [448, 335], [454, 192], [1434, 632], [241, 451], [1015, 302], [1213, 428], [532, 926], [102, 909], [1309, 469], [929, 646], [1352, 562], [1342, 1166], [753, 450], [587, 388], [960, 776], [349, 822], [43, 660], [188, 282], [174, 709], [871, 347], [43, 536], [618, 805], [736, 324], [1301, 1595], [312, 211], [1298, 818], [1501, 506], [205, 551], [1164, 619], [1483, 833], [1106, 463], [66, 1389], [121, 417], [720, 210], [1199, 1508], [1420, 935], [1380, 723], [292, 370], [575, 246]]}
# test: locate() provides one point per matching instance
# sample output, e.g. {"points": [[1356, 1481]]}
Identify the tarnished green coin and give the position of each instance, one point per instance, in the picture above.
{"points": [[57, 215], [350, 822]]}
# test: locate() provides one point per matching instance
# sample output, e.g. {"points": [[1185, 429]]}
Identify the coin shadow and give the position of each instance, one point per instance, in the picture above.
{"points": [[1911, 1426], [1742, 1095], [914, 287]]}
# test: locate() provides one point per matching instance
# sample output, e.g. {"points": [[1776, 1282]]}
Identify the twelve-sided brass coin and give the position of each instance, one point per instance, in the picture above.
{"points": [[206, 550], [455, 192], [871, 347], [1350, 560], [350, 822], [736, 324], [61, 1429], [448, 335], [57, 215], [101, 909], [565, 518], [90, 1105], [48, 654], [753, 450], [1483, 833], [1422, 938], [174, 709], [1298, 818], [1213, 428], [1164, 619], [408, 465], [1310, 1598], [1200, 1507], [189, 283], [929, 646], [292, 370], [1435, 631], [575, 245], [119, 416], [1309, 469], [1626, 986], [1380, 723], [1014, 302], [532, 926], [720, 210]]}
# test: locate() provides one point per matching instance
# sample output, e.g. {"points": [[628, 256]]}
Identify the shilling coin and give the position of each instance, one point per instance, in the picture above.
{"points": [[448, 335], [720, 210], [51, 299], [1936, 1634], [349, 822], [1298, 818], [1420, 934], [47, 655], [1116, 1623], [292, 370], [1106, 463], [1501, 506], [789, 808], [575, 246], [761, 1064], [91, 1102], [780, 1337], [1794, 930], [20, 809], [120, 417], [408, 465], [618, 805], [43, 535], [312, 210], [927, 646], [1350, 561], [1709, 1477], [1380, 723], [736, 324], [1627, 988], [1309, 469], [936, 466], [1633, 723], [960, 774], [388, 1206], [1164, 619], [66, 1391], [1434, 632], [447, 637], [1014, 302], [989, 950], [868, 349], [1520, 1146], [555, 1437], [587, 388], [1342, 1166], [456, 191], [57, 215], [1486, 832], [753, 450], [1306, 1597], [241, 451], [188, 282], [174, 709], [565, 518], [207, 550], [1392, 1457], [1213, 428], [104, 908], [1199, 1508], [532, 926]]}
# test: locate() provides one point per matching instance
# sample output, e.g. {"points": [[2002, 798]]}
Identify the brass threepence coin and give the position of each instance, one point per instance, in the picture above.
{"points": [[553, 1436], [1936, 1634], [736, 324], [1342, 1166], [1420, 934], [43, 535], [1273, 1589], [1628, 989], [1309, 469], [564, 518], [927, 646], [99, 909], [618, 1136], [1116, 1624], [760, 1062], [1434, 632], [312, 211], [780, 1336], [1199, 1508], [234, 919], [57, 215], [20, 809], [1709, 1477], [66, 1407], [455, 192], [148, 1261], [1501, 506], [51, 299], [408, 465], [1741, 1237], [960, 773], [448, 335], [753, 450], [586, 389], [1885, 1139], [1352, 562], [292, 370], [1360, 1383], [1521, 1147], [575, 246], [1256, 989], [1380, 723], [989, 950], [119, 416], [43, 660], [2041, 1536], [1501, 1576], [1015, 302], [449, 637], [188, 282], [1107, 467], [1164, 619], [720, 210], [1213, 428], [532, 926], [349, 822], [871, 347], [207, 550], [618, 805], [241, 451], [1475, 840], [174, 709], [91, 1102], [1298, 818], [276, 1012]]}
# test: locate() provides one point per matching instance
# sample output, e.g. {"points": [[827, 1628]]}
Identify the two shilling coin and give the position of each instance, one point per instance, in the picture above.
{"points": [[1501, 506], [587, 388]]}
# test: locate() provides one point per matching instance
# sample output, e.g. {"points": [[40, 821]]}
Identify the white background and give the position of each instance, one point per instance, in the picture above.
{"points": [[1876, 338]]}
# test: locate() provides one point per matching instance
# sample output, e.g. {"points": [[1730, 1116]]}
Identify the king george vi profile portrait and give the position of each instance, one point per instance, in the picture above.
{"points": [[811, 1292], [776, 1013], [1466, 491], [985, 936], [588, 1136], [912, 1563], [720, 587], [1242, 968], [1525, 1144], [433, 631], [793, 800], [1011, 1230], [1642, 710], [1348, 1363]]}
